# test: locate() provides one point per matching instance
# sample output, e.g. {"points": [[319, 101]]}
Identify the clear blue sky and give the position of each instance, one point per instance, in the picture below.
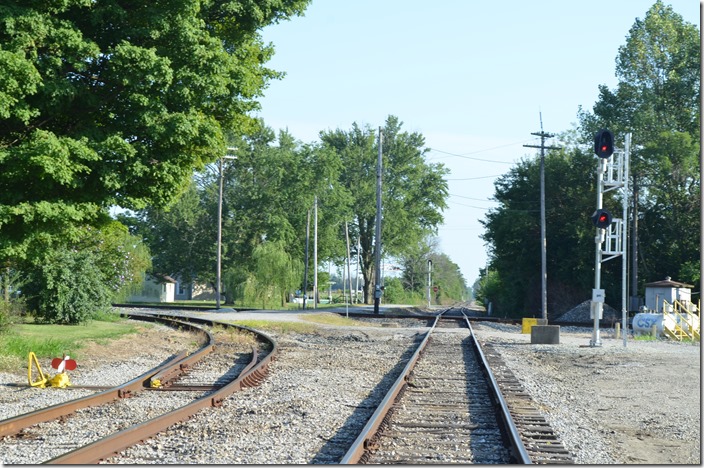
{"points": [[471, 76]]}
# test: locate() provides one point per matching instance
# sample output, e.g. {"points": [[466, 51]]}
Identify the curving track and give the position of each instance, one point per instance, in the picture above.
{"points": [[129, 413]]}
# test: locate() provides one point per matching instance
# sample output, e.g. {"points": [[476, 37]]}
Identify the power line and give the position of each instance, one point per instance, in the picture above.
{"points": [[468, 157], [477, 178], [476, 199]]}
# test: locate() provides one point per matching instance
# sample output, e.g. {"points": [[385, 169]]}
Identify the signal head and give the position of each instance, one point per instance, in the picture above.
{"points": [[604, 143], [601, 219]]}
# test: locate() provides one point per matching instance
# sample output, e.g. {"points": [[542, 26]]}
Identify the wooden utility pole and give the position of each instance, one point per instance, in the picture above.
{"points": [[543, 241], [315, 253], [377, 236], [305, 273]]}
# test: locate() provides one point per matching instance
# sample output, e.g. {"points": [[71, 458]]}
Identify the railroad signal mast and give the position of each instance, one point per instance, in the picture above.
{"points": [[611, 174]]}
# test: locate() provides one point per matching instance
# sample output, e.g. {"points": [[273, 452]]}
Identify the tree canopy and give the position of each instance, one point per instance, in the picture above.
{"points": [[657, 100], [115, 102], [413, 190]]}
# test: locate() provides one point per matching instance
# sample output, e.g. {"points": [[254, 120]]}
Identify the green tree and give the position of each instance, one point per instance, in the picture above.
{"points": [[445, 274], [269, 191], [657, 100], [71, 284], [66, 288], [115, 103], [182, 237], [266, 193], [276, 272], [447, 278], [413, 189], [512, 232]]}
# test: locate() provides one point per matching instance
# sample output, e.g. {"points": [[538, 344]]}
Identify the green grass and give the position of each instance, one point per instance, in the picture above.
{"points": [[336, 320], [49, 341], [283, 327], [277, 326], [644, 338]]}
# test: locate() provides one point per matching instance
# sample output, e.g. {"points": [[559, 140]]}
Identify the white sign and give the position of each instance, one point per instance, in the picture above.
{"points": [[598, 295]]}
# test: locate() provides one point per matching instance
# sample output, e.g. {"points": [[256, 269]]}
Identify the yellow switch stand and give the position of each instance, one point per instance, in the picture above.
{"points": [[41, 383], [59, 380]]}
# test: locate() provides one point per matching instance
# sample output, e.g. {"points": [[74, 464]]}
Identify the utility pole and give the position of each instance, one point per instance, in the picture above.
{"points": [[543, 240], [349, 260], [701, 161], [305, 273], [635, 303], [377, 234], [359, 253], [315, 253], [218, 273], [430, 281]]}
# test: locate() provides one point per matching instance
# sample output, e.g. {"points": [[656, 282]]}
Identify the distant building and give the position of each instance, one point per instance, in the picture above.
{"points": [[155, 288], [186, 291], [659, 291]]}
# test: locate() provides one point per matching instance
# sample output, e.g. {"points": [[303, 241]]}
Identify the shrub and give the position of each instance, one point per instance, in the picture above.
{"points": [[10, 313], [67, 288]]}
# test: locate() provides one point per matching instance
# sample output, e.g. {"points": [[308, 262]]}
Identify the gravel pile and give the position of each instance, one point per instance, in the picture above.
{"points": [[580, 314]]}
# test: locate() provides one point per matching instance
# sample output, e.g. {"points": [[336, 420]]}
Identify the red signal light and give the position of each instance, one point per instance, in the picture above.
{"points": [[601, 219], [604, 143]]}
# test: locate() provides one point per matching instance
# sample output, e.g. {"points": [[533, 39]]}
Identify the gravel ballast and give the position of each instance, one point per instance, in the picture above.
{"points": [[609, 404]]}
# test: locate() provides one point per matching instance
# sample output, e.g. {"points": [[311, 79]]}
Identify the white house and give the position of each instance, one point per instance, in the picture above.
{"points": [[155, 289]]}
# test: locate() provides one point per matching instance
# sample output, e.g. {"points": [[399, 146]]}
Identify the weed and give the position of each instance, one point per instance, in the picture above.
{"points": [[277, 326]]}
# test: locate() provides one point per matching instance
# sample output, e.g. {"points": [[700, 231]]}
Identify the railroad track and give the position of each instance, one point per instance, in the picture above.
{"points": [[98, 426], [447, 407]]}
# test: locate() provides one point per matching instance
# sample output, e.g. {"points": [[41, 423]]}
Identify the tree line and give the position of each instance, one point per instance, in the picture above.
{"points": [[129, 104], [657, 101], [269, 193]]}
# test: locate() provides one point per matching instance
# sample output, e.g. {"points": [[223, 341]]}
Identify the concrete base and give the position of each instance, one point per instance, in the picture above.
{"points": [[545, 334], [529, 323]]}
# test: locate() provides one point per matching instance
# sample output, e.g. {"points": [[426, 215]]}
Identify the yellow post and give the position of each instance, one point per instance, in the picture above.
{"points": [[618, 330], [527, 324], [654, 331]]}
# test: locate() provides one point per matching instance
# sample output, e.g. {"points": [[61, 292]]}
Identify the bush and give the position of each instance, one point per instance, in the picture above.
{"points": [[67, 288], [10, 313]]}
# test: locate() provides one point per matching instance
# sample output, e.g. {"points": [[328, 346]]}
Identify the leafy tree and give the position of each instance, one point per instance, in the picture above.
{"points": [[657, 100], [414, 264], [66, 288], [121, 257], [71, 284], [266, 193], [108, 103], [269, 191], [182, 238], [448, 279], [413, 190], [394, 292], [276, 272], [513, 236], [445, 274]]}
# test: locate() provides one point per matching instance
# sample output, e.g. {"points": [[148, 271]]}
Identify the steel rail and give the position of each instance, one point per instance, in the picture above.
{"points": [[365, 439], [109, 446], [359, 446], [181, 361], [518, 449]]}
